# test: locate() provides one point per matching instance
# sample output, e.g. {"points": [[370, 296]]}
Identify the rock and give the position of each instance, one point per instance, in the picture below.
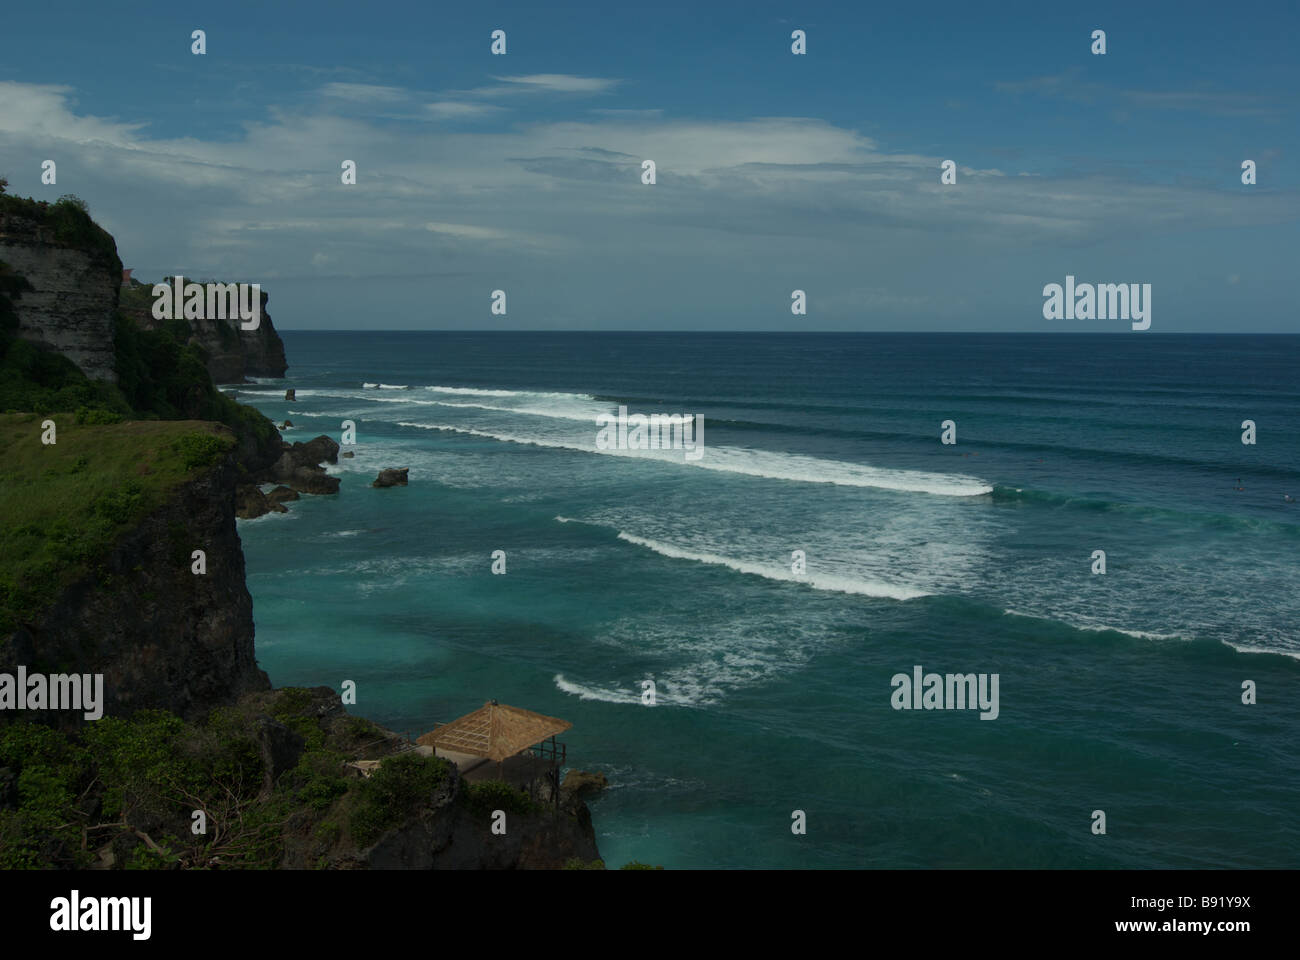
{"points": [[349, 455], [72, 304], [163, 638], [280, 747], [250, 502], [282, 493], [290, 394], [299, 466], [580, 784], [314, 451], [313, 480], [286, 425], [391, 477]]}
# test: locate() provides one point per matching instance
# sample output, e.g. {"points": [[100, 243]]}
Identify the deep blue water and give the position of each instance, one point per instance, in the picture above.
{"points": [[1119, 692]]}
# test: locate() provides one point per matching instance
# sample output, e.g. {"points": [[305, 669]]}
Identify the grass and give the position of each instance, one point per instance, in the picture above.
{"points": [[67, 503]]}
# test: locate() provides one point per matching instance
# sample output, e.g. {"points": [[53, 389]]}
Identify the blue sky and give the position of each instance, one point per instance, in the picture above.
{"points": [[775, 172]]}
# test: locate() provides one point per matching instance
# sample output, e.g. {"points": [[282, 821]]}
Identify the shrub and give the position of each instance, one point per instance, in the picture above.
{"points": [[489, 795], [200, 449], [397, 788]]}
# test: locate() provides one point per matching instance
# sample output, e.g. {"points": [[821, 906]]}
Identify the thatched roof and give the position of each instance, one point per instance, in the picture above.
{"points": [[495, 731]]}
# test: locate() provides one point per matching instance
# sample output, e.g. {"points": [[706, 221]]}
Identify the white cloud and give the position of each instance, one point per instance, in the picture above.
{"points": [[451, 110], [553, 204], [365, 93], [561, 83]]}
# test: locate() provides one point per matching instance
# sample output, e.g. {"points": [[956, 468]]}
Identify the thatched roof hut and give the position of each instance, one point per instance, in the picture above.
{"points": [[494, 731]]}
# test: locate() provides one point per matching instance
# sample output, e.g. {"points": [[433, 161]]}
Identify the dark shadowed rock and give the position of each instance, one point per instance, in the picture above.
{"points": [[291, 394], [162, 637], [313, 480], [286, 425], [349, 455], [579, 785], [250, 502], [314, 451], [280, 747], [391, 477], [281, 494], [298, 467]]}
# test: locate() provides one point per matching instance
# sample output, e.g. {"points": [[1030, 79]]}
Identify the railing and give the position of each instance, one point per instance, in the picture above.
{"points": [[550, 750]]}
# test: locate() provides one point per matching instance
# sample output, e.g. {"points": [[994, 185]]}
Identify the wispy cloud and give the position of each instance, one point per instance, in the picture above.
{"points": [[365, 93], [1071, 86]]}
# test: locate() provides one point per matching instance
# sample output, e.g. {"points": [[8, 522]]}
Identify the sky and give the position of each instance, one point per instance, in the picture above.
{"points": [[775, 172]]}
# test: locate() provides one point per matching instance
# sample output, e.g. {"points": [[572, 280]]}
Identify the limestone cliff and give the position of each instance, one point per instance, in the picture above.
{"points": [[72, 303]]}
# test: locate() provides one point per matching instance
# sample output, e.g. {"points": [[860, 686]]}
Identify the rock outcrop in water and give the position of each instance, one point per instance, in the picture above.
{"points": [[391, 477], [299, 466]]}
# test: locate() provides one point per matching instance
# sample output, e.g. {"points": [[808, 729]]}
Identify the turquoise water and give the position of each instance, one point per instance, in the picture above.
{"points": [[1119, 692]]}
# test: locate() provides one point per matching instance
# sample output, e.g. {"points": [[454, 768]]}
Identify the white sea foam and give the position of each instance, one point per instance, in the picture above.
{"points": [[558, 413], [760, 463], [837, 584], [478, 392], [1248, 648], [1094, 627], [608, 695]]}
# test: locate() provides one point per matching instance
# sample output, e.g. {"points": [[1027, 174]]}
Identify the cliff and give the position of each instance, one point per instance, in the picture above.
{"points": [[74, 277], [76, 293], [98, 577], [231, 353]]}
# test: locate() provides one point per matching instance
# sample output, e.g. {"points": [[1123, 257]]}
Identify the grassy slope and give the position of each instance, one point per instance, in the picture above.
{"points": [[65, 504]]}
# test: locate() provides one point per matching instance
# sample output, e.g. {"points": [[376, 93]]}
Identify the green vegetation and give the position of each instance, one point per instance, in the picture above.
{"points": [[71, 222], [393, 792], [74, 498], [160, 374], [488, 795], [577, 863], [638, 865], [132, 784], [69, 501]]}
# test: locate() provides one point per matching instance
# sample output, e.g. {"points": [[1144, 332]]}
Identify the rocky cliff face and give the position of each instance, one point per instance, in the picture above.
{"points": [[231, 353], [262, 348], [73, 301], [448, 836], [162, 636]]}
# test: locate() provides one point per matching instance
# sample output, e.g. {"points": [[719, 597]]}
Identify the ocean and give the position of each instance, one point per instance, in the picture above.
{"points": [[1120, 692]]}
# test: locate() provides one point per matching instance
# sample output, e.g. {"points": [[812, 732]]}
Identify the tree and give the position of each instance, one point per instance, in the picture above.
{"points": [[72, 200]]}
